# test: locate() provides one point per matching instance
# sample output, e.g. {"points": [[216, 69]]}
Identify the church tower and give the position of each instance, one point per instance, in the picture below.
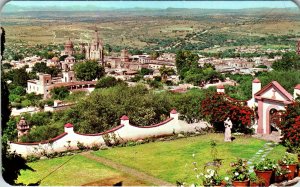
{"points": [[94, 51], [69, 48]]}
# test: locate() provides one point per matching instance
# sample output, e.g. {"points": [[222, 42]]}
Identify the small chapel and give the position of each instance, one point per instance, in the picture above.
{"points": [[268, 103]]}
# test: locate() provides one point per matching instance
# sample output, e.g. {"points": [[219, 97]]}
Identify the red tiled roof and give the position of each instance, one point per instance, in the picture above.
{"points": [[68, 125], [256, 80], [124, 118], [297, 87], [173, 111], [220, 86], [59, 84]]}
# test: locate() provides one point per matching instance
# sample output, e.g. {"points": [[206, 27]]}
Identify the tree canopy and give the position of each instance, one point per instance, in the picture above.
{"points": [[59, 93], [43, 68], [88, 70]]}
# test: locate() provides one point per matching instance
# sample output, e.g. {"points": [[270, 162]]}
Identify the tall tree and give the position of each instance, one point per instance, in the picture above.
{"points": [[12, 163]]}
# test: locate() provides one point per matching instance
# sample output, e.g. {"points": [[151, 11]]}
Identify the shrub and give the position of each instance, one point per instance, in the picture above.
{"points": [[109, 81], [81, 146], [290, 126], [217, 107]]}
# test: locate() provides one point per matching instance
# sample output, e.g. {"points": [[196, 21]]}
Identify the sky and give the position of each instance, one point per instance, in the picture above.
{"points": [[86, 5]]}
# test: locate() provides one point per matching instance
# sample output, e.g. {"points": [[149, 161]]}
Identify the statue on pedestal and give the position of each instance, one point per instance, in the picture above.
{"points": [[228, 127]]}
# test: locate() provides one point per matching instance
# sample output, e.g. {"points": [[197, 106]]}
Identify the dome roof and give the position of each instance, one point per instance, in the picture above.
{"points": [[55, 59], [69, 42]]}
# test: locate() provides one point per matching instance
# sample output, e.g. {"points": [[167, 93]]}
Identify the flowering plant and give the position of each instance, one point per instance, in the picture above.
{"points": [[265, 165], [281, 171], [287, 159], [239, 171], [210, 178]]}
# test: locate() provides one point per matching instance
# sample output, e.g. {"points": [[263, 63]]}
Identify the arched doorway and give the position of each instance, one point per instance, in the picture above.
{"points": [[275, 119]]}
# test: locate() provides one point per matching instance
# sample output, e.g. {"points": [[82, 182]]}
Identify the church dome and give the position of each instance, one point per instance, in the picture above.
{"points": [[55, 59], [69, 42]]}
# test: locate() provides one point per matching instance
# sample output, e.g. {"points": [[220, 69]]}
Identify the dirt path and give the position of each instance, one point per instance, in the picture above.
{"points": [[137, 174]]}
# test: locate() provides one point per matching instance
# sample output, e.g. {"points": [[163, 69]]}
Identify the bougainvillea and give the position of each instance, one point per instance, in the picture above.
{"points": [[217, 107], [290, 126]]}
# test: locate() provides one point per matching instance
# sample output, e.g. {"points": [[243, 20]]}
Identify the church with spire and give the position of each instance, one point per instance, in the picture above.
{"points": [[94, 50]]}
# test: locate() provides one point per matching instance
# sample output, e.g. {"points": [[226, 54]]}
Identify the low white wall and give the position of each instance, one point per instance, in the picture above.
{"points": [[125, 131]]}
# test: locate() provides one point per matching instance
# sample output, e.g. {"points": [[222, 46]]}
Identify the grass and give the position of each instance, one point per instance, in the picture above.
{"points": [[78, 171], [168, 160], [172, 160]]}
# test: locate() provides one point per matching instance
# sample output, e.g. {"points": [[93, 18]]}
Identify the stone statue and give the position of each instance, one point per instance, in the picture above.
{"points": [[228, 126]]}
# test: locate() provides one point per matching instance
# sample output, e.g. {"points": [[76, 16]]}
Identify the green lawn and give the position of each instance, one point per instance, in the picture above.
{"points": [[78, 171], [167, 160], [172, 160]]}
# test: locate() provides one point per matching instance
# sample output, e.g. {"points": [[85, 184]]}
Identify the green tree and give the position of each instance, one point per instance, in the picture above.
{"points": [[88, 71], [19, 77], [18, 90], [43, 68], [165, 72], [79, 56], [59, 93], [12, 163], [106, 82], [289, 61], [145, 71], [184, 61]]}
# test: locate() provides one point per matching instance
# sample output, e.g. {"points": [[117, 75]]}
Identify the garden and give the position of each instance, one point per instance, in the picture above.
{"points": [[188, 159]]}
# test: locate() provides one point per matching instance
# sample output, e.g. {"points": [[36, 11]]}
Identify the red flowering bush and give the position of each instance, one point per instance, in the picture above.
{"points": [[217, 107], [290, 125]]}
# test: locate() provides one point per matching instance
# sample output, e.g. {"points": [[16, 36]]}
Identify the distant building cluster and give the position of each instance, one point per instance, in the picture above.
{"points": [[239, 65], [125, 66]]}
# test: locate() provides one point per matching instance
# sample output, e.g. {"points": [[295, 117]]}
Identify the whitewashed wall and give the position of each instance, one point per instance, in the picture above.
{"points": [[125, 131]]}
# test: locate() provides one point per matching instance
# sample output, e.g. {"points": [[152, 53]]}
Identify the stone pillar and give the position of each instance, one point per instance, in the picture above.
{"points": [[260, 127], [124, 120], [174, 114], [69, 128], [220, 89]]}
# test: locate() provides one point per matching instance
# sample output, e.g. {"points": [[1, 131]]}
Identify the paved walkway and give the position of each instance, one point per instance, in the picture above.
{"points": [[137, 174], [274, 136], [261, 154]]}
